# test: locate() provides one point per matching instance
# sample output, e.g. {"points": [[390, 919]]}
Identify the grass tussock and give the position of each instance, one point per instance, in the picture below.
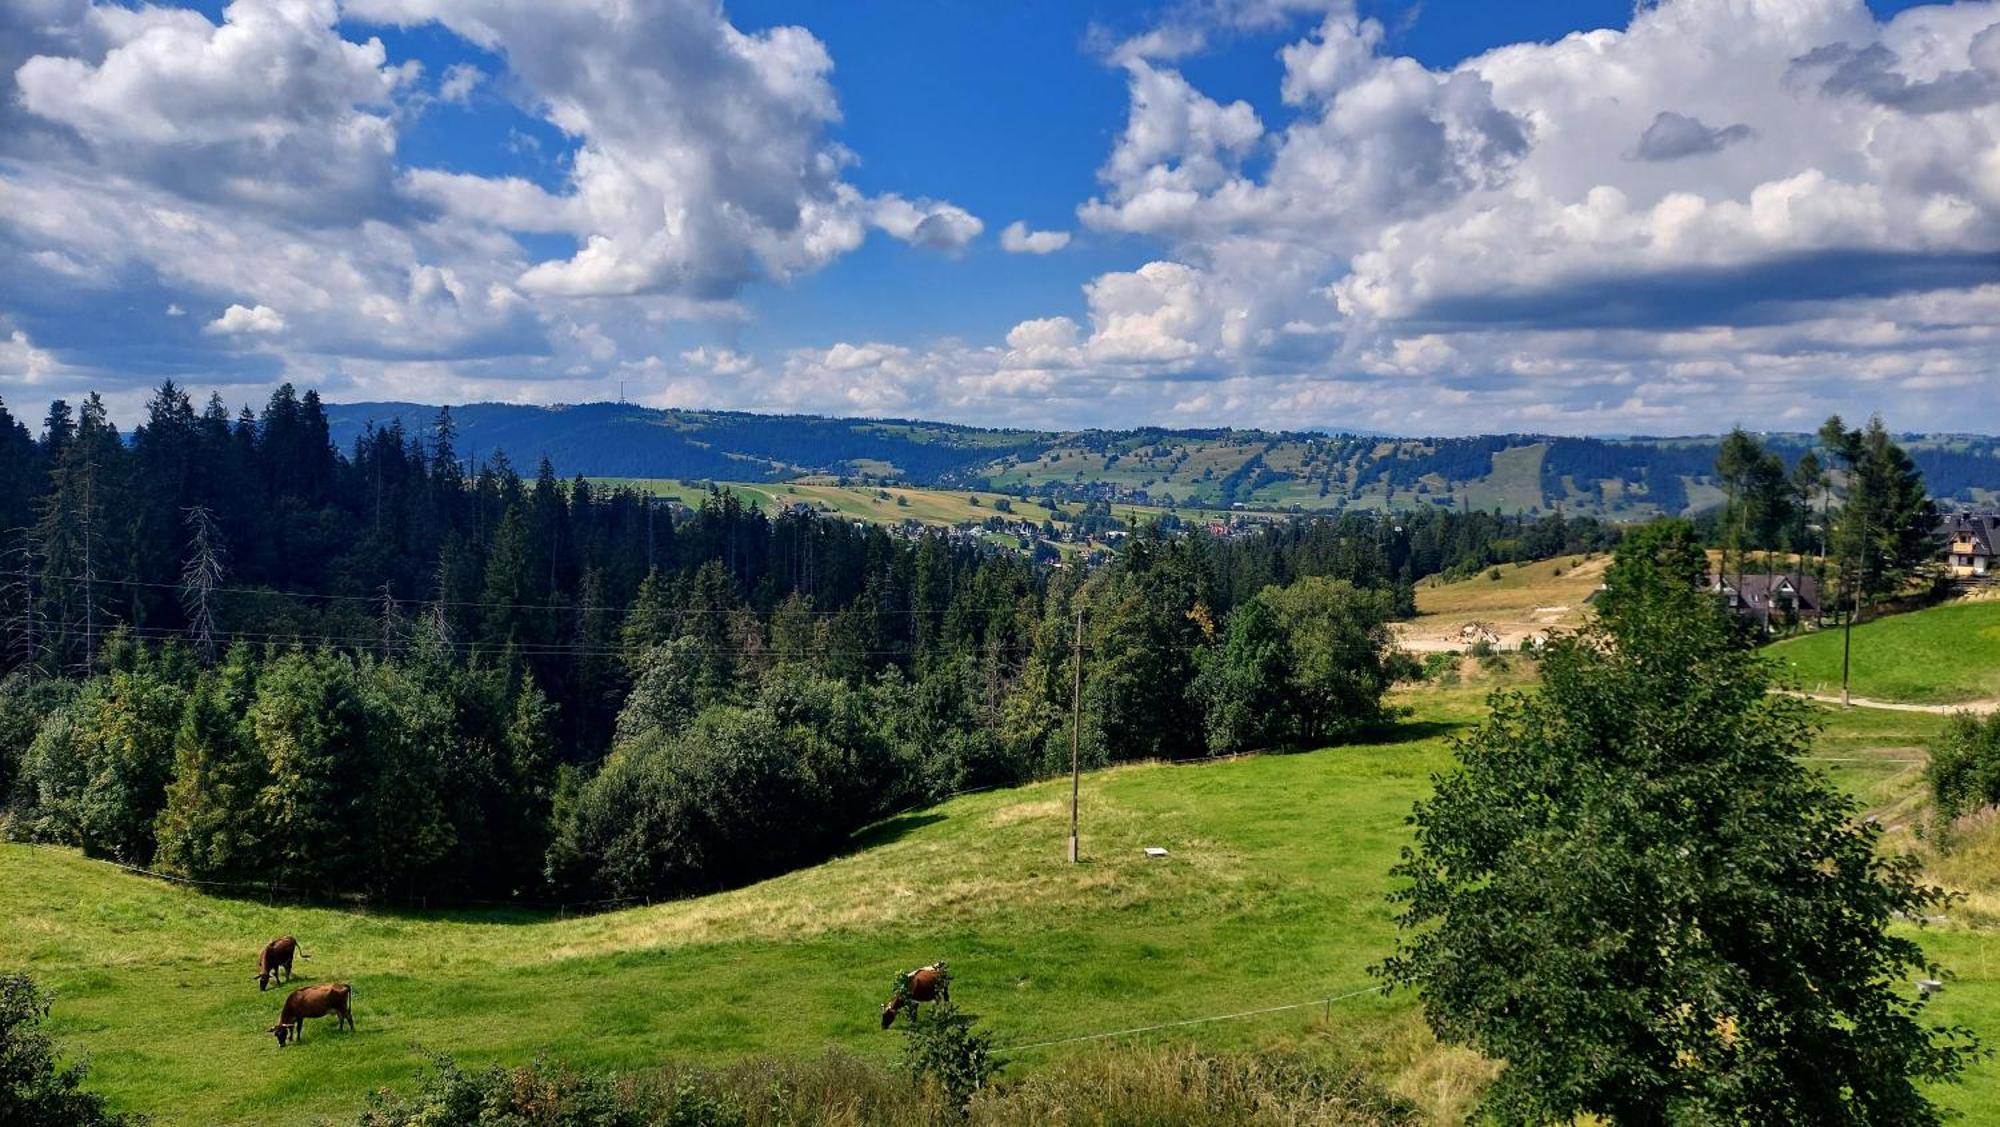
{"points": [[1964, 856], [1111, 1088], [1184, 1086]]}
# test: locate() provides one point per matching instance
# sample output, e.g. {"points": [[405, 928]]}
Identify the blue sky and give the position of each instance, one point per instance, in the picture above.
{"points": [[1433, 217]]}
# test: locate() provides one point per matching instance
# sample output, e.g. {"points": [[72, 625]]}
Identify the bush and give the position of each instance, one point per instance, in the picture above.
{"points": [[1964, 769], [1439, 666], [1493, 574], [1189, 1088], [1112, 1086], [940, 1046], [34, 1089], [546, 1095]]}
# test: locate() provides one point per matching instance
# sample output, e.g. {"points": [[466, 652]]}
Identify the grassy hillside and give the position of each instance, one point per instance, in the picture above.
{"points": [[1622, 479], [937, 507], [1272, 893], [1942, 655], [1523, 600]]}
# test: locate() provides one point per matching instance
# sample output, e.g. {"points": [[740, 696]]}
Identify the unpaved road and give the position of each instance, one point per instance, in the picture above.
{"points": [[1977, 707]]}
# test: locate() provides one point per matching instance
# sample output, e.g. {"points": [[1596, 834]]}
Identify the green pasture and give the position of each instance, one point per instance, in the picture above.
{"points": [[1272, 893], [1946, 654]]}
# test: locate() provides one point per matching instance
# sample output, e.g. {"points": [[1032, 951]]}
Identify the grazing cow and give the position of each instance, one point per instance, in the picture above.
{"points": [[925, 984], [276, 957], [313, 1001]]}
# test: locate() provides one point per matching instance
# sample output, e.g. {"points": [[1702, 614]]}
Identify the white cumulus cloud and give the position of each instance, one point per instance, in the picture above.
{"points": [[1016, 238], [246, 319]]}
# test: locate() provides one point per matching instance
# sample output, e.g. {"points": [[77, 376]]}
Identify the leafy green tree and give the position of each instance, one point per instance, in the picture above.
{"points": [[673, 685], [944, 1045], [1658, 563], [1337, 641], [25, 703], [400, 826], [97, 772], [310, 722], [1634, 894], [719, 804], [36, 1089], [209, 829], [1242, 684]]}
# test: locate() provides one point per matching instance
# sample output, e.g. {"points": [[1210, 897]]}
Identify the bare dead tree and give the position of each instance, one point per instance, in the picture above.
{"points": [[88, 524], [392, 623], [26, 633], [200, 576]]}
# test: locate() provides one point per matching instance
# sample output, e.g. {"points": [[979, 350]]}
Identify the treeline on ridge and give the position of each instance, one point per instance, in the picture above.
{"points": [[238, 654]]}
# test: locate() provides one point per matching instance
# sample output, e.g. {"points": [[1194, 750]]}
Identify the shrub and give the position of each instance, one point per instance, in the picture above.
{"points": [[1964, 769], [34, 1088], [1190, 1088], [547, 1095], [1112, 1086], [940, 1046], [1493, 574]]}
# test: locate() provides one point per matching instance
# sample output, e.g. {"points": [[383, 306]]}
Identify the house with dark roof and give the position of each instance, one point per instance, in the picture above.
{"points": [[1969, 540], [1768, 598]]}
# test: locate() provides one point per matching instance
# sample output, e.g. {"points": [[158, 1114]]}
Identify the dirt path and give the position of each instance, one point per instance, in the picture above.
{"points": [[1977, 707]]}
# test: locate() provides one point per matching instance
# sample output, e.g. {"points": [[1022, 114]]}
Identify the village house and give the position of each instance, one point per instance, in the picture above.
{"points": [[1969, 539], [1768, 598]]}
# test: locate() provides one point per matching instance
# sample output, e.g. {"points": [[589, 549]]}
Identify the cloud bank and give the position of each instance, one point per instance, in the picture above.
{"points": [[1724, 211]]}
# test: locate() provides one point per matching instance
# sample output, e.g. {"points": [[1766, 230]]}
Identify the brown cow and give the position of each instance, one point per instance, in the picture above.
{"points": [[925, 984], [313, 1001], [275, 957]]}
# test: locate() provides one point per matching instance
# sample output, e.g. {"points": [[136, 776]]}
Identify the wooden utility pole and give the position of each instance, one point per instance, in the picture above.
{"points": [[1847, 632], [1075, 731]]}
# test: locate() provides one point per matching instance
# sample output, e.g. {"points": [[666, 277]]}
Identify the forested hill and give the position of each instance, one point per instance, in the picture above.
{"points": [[1620, 478], [625, 440]]}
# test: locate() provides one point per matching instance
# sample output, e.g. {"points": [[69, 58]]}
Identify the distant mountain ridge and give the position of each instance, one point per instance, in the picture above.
{"points": [[1625, 477]]}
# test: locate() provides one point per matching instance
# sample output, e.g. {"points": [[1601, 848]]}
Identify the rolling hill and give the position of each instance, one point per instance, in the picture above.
{"points": [[1272, 892], [1947, 654], [1627, 478]]}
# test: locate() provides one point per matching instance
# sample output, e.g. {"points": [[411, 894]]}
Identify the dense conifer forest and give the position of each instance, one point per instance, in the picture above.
{"points": [[236, 653]]}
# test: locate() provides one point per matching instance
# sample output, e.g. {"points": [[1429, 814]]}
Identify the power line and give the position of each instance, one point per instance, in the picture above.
{"points": [[267, 592]]}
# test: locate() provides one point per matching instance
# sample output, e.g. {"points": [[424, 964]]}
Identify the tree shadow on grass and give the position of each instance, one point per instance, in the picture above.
{"points": [[1409, 732], [890, 830], [1391, 733]]}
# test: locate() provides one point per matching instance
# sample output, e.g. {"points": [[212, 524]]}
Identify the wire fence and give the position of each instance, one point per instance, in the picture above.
{"points": [[1325, 1003]]}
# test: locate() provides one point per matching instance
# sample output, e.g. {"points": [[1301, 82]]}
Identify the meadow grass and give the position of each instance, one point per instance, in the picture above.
{"points": [[1272, 893], [1941, 655], [938, 508], [1555, 588]]}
